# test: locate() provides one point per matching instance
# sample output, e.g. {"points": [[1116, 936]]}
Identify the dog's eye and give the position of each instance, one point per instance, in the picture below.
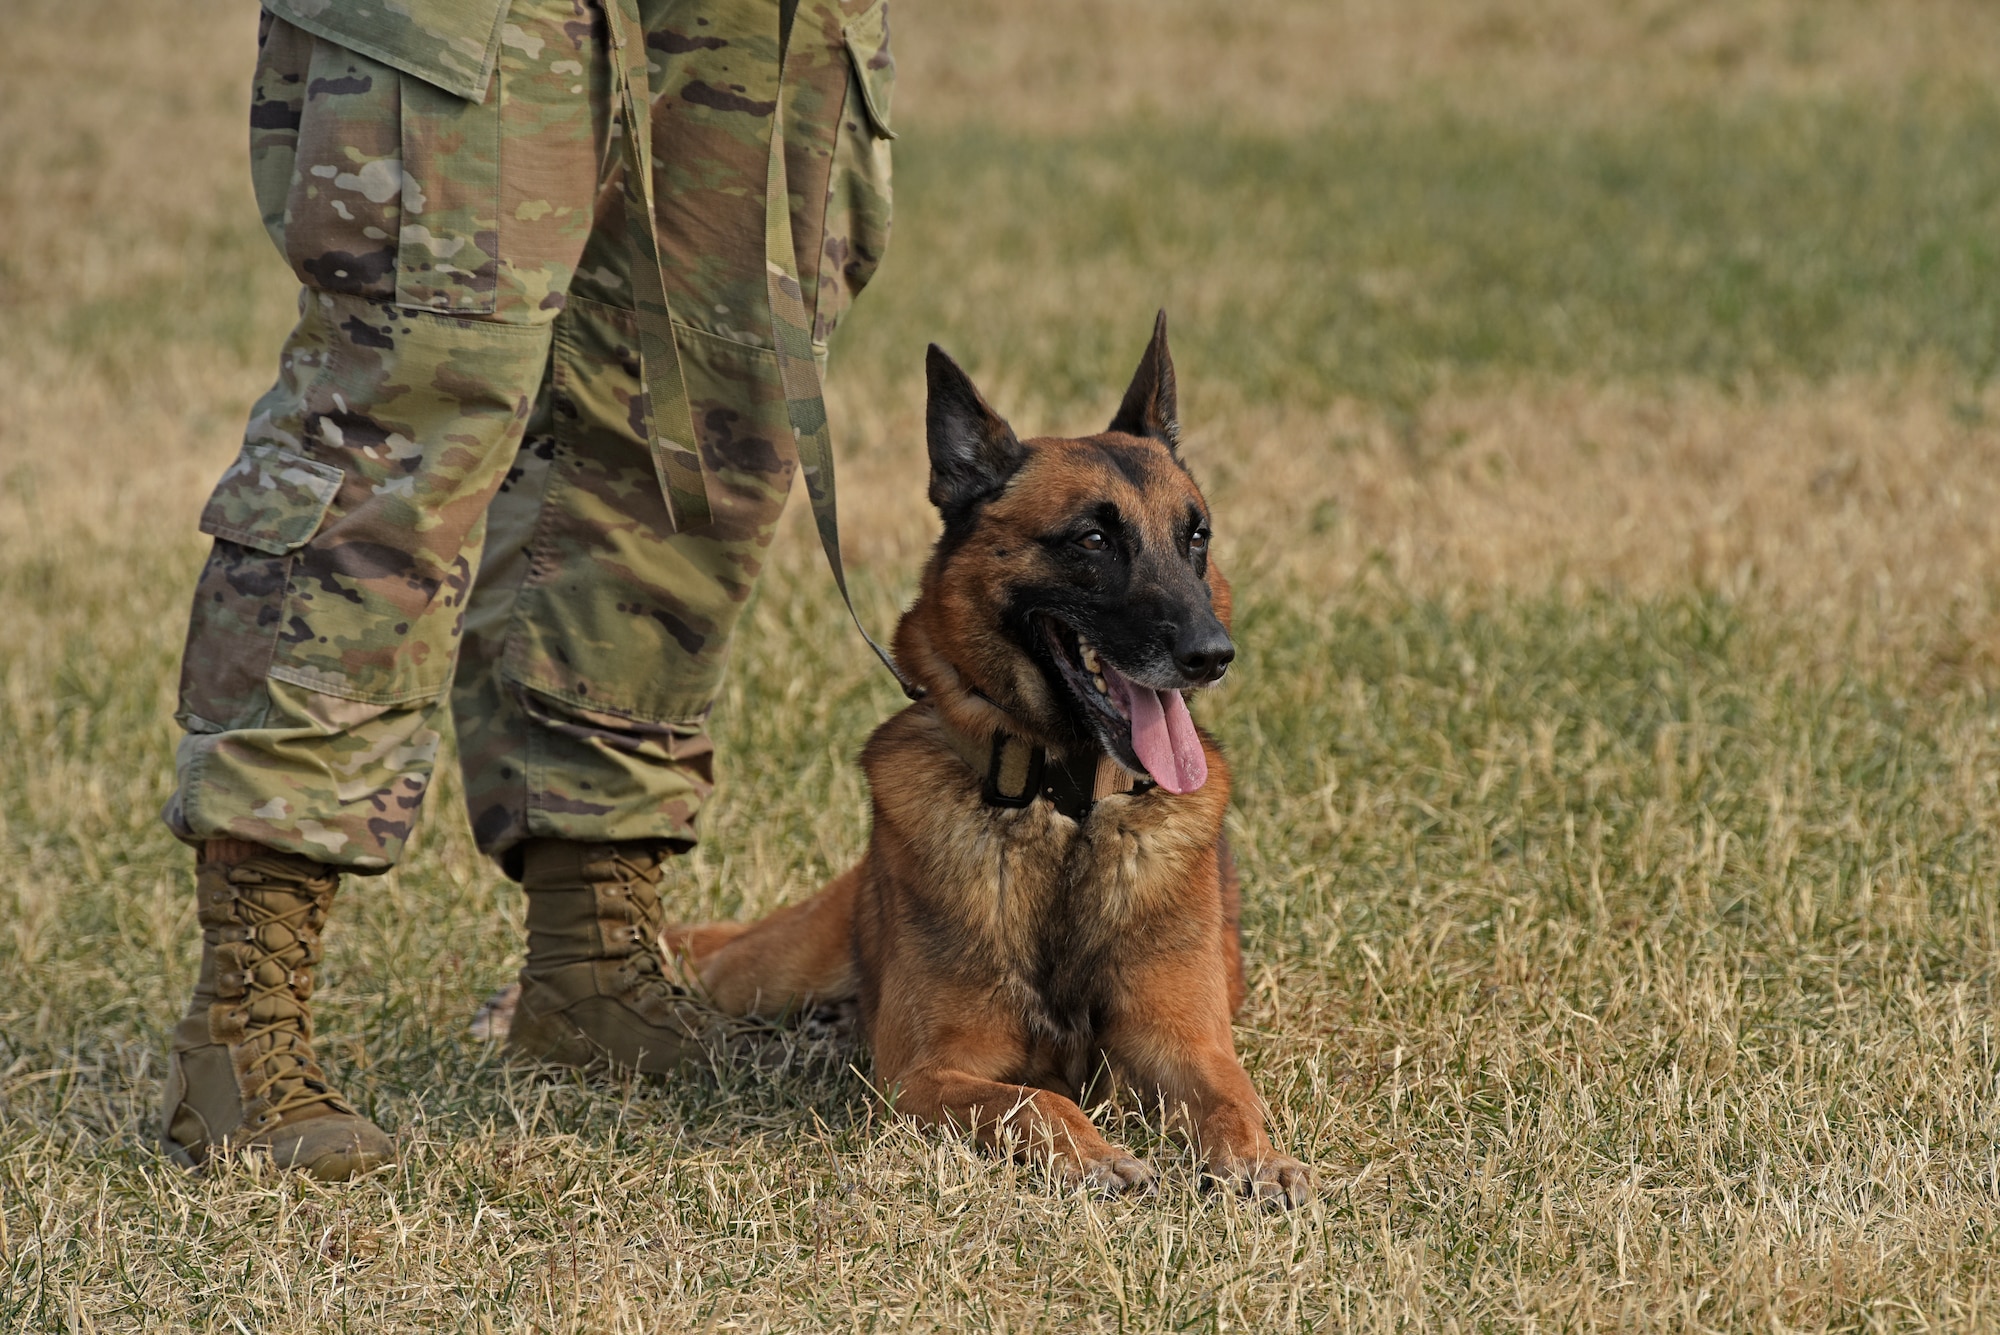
{"points": [[1092, 541], [1198, 542]]}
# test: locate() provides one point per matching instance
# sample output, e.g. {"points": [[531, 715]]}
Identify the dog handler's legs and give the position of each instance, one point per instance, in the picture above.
{"points": [[598, 633], [599, 630], [576, 578], [435, 238]]}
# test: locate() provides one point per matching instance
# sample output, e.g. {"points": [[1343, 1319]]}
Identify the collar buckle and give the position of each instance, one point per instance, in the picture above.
{"points": [[1014, 772], [1019, 772]]}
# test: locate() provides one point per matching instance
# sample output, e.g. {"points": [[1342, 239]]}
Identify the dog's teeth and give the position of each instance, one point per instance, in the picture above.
{"points": [[1089, 656], [1098, 682]]}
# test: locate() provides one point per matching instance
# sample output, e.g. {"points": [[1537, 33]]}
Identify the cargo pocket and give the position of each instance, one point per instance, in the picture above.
{"points": [[874, 66], [421, 415], [271, 500], [859, 199], [277, 104], [448, 246], [268, 505], [619, 613]]}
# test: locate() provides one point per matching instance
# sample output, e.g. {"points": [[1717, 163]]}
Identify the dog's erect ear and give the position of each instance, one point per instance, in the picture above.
{"points": [[973, 452], [1149, 408]]}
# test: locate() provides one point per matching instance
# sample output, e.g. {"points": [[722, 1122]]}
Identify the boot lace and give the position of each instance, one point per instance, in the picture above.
{"points": [[274, 962], [637, 874]]}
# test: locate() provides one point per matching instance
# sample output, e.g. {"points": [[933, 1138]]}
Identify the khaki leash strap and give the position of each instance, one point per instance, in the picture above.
{"points": [[805, 398]]}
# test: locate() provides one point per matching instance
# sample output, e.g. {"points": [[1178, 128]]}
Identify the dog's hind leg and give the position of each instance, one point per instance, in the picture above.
{"points": [[801, 955], [697, 941]]}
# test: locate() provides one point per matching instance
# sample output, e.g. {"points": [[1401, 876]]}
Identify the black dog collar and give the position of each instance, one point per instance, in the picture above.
{"points": [[1015, 773]]}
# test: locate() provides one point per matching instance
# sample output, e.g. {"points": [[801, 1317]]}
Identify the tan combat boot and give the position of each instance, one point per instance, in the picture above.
{"points": [[242, 1074], [593, 989]]}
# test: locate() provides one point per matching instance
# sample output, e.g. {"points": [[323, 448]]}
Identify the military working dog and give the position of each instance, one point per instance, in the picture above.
{"points": [[1047, 907]]}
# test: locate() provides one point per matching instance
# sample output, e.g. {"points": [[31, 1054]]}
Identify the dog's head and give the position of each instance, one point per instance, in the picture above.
{"points": [[1072, 587]]}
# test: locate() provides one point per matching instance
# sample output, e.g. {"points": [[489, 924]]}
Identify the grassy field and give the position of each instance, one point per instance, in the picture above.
{"points": [[1597, 402]]}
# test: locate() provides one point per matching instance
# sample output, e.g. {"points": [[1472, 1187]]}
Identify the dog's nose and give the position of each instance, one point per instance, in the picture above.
{"points": [[1204, 653]]}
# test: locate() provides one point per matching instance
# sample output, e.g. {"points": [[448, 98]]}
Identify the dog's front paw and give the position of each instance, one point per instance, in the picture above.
{"points": [[1115, 1173], [1274, 1180]]}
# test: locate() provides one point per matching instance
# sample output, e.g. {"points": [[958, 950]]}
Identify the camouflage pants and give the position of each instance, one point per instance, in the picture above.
{"points": [[450, 492]]}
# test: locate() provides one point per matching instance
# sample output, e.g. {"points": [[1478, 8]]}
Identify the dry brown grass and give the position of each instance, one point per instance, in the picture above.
{"points": [[1862, 509], [1866, 509], [1058, 66], [1624, 955]]}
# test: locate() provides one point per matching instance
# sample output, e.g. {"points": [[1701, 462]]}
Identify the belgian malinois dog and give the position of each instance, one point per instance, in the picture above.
{"points": [[1047, 908]]}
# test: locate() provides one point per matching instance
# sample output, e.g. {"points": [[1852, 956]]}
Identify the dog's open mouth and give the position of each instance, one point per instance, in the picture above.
{"points": [[1144, 728]]}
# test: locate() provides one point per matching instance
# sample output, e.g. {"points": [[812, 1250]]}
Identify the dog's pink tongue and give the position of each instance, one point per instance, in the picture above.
{"points": [[1164, 737]]}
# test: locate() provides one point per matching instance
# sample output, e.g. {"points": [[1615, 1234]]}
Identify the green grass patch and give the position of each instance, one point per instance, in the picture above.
{"points": [[1376, 257], [1541, 894], [1396, 247]]}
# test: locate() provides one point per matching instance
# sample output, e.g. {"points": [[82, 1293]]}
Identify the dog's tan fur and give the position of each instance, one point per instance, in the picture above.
{"points": [[1006, 960]]}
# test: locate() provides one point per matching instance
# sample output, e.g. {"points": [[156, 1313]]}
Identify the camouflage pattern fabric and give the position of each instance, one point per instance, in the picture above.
{"points": [[794, 325], [454, 44], [463, 395]]}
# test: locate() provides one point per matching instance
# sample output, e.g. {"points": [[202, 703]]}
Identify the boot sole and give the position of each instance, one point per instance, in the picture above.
{"points": [[339, 1167]]}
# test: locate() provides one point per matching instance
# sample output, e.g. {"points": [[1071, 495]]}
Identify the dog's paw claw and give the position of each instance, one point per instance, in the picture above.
{"points": [[1115, 1175], [1276, 1180]]}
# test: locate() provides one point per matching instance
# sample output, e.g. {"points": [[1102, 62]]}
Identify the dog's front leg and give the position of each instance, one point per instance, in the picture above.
{"points": [[945, 1055], [1172, 1043], [1032, 1123]]}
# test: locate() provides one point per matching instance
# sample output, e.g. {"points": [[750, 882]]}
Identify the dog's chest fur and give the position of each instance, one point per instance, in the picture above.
{"points": [[1032, 904]]}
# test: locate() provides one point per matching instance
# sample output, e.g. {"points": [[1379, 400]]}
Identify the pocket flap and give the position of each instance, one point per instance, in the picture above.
{"points": [[449, 43], [874, 67], [271, 500]]}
